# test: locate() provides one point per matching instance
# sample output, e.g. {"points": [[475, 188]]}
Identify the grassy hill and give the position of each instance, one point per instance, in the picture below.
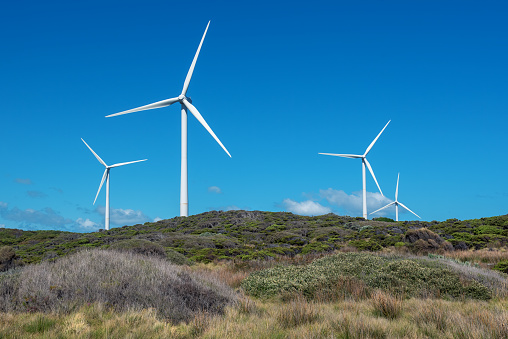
{"points": [[248, 235], [260, 275]]}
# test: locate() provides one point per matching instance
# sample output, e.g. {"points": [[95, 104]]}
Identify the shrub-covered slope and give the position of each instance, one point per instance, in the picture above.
{"points": [[254, 234]]}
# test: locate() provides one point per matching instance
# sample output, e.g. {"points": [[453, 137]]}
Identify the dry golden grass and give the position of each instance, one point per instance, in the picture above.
{"points": [[417, 318], [332, 315], [485, 257]]}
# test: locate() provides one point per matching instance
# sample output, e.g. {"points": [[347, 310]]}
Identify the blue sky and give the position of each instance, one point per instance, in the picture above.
{"points": [[278, 82]]}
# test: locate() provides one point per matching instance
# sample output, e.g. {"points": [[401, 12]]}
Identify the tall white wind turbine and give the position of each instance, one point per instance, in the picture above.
{"points": [[365, 162], [105, 176], [396, 203], [186, 104]]}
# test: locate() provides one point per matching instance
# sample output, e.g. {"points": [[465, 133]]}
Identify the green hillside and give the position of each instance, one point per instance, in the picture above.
{"points": [[246, 235]]}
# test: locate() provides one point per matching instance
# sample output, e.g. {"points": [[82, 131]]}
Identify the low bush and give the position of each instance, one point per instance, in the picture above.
{"points": [[120, 280], [8, 258], [408, 278], [139, 246], [502, 266]]}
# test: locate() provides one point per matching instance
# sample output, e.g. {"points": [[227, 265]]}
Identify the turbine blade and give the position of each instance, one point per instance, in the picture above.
{"points": [[401, 204], [397, 188], [98, 157], [106, 173], [198, 116], [350, 156], [126, 163], [158, 104], [374, 141], [191, 69], [372, 173], [382, 208]]}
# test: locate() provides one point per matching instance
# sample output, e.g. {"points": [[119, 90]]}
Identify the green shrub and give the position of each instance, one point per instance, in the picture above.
{"points": [[502, 266], [139, 246], [7, 258], [176, 258], [384, 219], [366, 245]]}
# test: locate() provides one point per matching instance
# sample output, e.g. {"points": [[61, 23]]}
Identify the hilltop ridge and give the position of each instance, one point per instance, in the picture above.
{"points": [[249, 235]]}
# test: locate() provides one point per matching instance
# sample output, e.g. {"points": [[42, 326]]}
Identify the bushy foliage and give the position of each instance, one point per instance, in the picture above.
{"points": [[249, 235], [502, 266], [8, 258], [176, 258], [409, 278], [120, 280], [139, 246]]}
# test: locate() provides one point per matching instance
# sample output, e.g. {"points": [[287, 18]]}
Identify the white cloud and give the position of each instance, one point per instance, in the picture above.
{"points": [[353, 204], [157, 219], [307, 207], [123, 217], [87, 223], [2, 225], [46, 217], [214, 189]]}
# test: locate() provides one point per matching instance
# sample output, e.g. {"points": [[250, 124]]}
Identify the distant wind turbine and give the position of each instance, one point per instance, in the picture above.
{"points": [[106, 177], [365, 162], [396, 203], [186, 104]]}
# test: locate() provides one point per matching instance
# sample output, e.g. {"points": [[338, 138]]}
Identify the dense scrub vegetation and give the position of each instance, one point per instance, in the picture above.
{"points": [[249, 235], [357, 275], [119, 280]]}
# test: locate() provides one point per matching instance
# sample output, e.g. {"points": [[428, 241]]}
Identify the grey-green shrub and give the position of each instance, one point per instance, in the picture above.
{"points": [[139, 246], [120, 280], [410, 278]]}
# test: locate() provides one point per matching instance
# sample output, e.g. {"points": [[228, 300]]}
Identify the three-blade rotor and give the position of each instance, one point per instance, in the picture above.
{"points": [[396, 202], [182, 99], [363, 157], [106, 171]]}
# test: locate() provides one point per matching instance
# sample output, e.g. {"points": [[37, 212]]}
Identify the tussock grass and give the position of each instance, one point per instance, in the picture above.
{"points": [[386, 305], [296, 312]]}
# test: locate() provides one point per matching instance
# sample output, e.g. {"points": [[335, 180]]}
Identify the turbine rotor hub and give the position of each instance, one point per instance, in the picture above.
{"points": [[181, 97]]}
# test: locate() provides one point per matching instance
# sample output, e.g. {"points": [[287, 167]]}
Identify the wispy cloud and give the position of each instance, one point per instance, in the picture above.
{"points": [[214, 189], [352, 204], [36, 194], [307, 207], [56, 189], [46, 217], [123, 217], [157, 219], [23, 181]]}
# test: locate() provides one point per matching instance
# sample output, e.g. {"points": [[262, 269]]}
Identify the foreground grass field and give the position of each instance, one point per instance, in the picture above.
{"points": [[350, 308], [413, 318]]}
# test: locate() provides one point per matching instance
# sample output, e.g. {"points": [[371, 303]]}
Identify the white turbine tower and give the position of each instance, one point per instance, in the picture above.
{"points": [[106, 177], [365, 162], [396, 203], [185, 103]]}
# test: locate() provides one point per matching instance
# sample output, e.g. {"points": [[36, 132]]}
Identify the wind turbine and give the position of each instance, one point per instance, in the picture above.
{"points": [[365, 162], [186, 104], [106, 177], [396, 203]]}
